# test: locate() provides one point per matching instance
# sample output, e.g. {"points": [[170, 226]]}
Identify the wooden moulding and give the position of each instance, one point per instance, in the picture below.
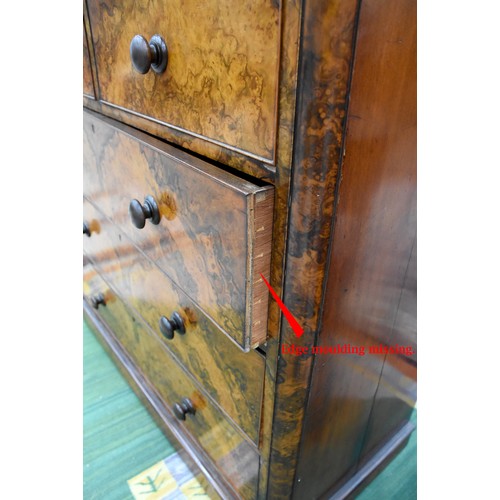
{"points": [[90, 89], [326, 51], [88, 84], [355, 403]]}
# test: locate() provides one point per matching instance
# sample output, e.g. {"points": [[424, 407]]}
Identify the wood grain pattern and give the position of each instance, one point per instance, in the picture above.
{"points": [[391, 34], [397, 388], [290, 22], [215, 152], [233, 378], [215, 227], [309, 137], [326, 48], [88, 84], [221, 82], [356, 402], [289, 62], [190, 451], [219, 439]]}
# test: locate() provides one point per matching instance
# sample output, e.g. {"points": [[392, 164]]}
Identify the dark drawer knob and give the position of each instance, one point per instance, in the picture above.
{"points": [[97, 300], [183, 408], [146, 55], [139, 213], [168, 326], [86, 229]]}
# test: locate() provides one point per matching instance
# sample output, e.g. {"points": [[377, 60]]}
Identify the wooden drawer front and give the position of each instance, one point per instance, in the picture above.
{"points": [[222, 74], [214, 235], [88, 84], [232, 377], [235, 458]]}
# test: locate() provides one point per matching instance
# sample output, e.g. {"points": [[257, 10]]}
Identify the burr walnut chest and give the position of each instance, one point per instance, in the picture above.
{"points": [[228, 147]]}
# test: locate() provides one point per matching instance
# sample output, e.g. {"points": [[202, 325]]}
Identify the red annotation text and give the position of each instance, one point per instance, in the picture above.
{"points": [[297, 350]]}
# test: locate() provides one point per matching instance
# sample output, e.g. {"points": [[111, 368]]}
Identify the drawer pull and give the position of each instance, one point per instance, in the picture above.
{"points": [[86, 229], [168, 326], [181, 409], [146, 56], [97, 300], [139, 213]]}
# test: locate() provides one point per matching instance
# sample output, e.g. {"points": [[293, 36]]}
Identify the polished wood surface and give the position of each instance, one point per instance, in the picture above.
{"points": [[326, 48], [233, 378], [356, 402], [396, 392], [213, 238], [221, 82], [226, 447], [279, 173], [188, 449], [88, 84], [289, 63], [313, 79], [288, 55]]}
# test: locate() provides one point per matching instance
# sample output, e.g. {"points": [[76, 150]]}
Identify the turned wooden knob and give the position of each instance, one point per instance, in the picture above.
{"points": [[97, 300], [146, 56], [183, 408], [139, 213], [168, 326]]}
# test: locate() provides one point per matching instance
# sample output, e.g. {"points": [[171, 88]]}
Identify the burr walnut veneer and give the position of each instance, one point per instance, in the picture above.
{"points": [[226, 142]]}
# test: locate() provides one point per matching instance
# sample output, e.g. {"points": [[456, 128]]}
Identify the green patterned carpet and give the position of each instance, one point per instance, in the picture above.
{"points": [[121, 440]]}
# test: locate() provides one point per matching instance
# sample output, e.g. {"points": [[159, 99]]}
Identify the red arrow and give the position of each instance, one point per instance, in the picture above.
{"points": [[297, 329]]}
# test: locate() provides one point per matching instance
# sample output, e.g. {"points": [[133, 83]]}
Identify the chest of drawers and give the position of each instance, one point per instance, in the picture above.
{"points": [[227, 144]]}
